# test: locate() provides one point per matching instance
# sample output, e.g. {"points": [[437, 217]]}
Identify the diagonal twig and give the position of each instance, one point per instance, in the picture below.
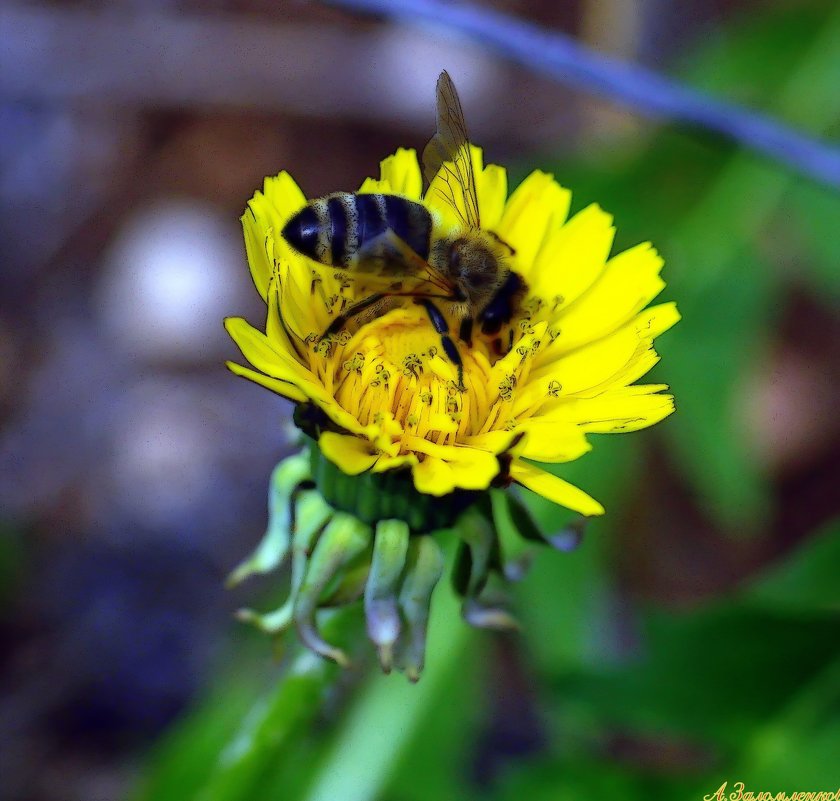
{"points": [[638, 88]]}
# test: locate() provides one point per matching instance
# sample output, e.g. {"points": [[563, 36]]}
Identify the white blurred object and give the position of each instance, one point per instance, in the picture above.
{"points": [[164, 452], [407, 69], [171, 274]]}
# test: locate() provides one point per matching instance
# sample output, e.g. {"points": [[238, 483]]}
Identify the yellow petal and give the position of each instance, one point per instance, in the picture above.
{"points": [[629, 282], [657, 319], [351, 454], [492, 441], [276, 328], [433, 477], [259, 260], [402, 172], [537, 207], [437, 477], [472, 468], [555, 489], [571, 258], [283, 388], [260, 352], [591, 364], [344, 420], [648, 324], [491, 187], [267, 213], [284, 198], [393, 462], [628, 409], [447, 467], [614, 361], [372, 186], [547, 441], [307, 295]]}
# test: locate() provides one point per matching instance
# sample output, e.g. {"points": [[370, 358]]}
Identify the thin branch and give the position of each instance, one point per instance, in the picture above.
{"points": [[635, 87]]}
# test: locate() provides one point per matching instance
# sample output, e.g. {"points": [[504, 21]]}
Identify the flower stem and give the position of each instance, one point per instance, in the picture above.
{"points": [[376, 731], [274, 721]]}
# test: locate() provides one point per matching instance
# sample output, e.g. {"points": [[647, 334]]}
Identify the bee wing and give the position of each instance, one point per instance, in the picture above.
{"points": [[387, 259], [448, 153]]}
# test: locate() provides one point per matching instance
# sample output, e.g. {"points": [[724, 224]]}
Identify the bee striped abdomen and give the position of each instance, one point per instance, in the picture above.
{"points": [[333, 229], [410, 221]]}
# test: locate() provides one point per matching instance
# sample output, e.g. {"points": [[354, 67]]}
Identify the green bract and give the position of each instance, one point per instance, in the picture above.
{"points": [[376, 538]]}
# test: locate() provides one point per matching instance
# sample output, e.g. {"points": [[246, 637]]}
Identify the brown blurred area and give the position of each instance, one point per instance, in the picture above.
{"points": [[132, 466]]}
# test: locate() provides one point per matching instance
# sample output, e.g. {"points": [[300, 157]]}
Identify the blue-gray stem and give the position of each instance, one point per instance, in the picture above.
{"points": [[642, 90]]}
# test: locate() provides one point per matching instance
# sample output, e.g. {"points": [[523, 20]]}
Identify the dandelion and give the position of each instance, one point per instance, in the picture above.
{"points": [[400, 448]]}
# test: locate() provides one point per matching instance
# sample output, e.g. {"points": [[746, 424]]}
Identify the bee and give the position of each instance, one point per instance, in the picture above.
{"points": [[389, 243]]}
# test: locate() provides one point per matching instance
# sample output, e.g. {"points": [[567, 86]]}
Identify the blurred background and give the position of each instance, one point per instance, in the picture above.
{"points": [[693, 638]]}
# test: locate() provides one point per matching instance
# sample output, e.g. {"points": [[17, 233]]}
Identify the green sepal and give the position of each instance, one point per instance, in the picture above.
{"points": [[569, 538], [381, 612], [476, 532], [372, 497], [343, 539], [423, 571], [461, 569], [490, 609], [274, 546], [564, 539], [478, 553], [514, 553], [311, 515], [522, 520], [349, 585]]}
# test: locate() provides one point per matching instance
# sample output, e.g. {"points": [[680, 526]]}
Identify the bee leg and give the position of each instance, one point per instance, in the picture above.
{"points": [[465, 333], [441, 326], [357, 308]]}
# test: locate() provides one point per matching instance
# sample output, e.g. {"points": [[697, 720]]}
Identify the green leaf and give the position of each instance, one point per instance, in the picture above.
{"points": [[719, 672], [581, 779], [807, 581], [809, 217], [798, 748], [377, 733], [182, 760], [706, 360], [225, 749], [565, 599]]}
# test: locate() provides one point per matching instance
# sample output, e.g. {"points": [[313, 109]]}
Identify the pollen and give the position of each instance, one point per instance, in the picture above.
{"points": [[393, 365]]}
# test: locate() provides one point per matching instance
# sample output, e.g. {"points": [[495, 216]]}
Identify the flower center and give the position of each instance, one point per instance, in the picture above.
{"points": [[395, 368]]}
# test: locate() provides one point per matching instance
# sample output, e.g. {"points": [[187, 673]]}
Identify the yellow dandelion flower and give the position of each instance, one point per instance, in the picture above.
{"points": [[389, 397], [418, 418]]}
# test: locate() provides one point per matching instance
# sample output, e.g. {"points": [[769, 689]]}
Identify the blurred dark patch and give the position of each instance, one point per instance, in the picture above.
{"points": [[104, 648], [513, 731], [135, 629]]}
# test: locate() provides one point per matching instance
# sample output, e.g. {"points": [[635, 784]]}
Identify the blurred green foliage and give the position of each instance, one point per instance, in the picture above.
{"points": [[745, 688]]}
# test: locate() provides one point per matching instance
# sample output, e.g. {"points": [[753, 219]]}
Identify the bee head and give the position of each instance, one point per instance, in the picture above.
{"points": [[476, 267]]}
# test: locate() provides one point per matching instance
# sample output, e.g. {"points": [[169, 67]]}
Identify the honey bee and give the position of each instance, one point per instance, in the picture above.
{"points": [[389, 242]]}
